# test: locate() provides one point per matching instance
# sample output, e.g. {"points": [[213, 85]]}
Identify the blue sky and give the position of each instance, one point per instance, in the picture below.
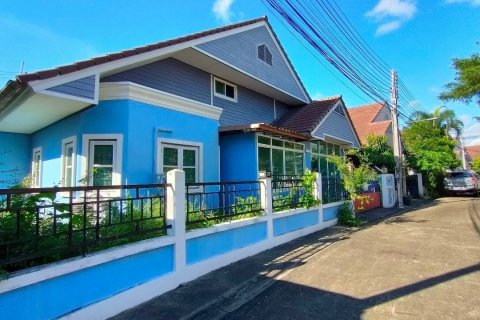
{"points": [[417, 38]]}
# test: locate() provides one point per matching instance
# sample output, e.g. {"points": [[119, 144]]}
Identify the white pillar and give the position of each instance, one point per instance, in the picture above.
{"points": [[266, 201], [176, 214], [317, 193], [421, 192]]}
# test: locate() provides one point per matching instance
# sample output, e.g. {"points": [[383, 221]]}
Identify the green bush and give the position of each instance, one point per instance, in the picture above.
{"points": [[346, 217]]}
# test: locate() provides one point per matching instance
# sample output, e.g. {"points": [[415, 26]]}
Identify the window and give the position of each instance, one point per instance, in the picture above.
{"points": [[179, 156], [225, 90], [102, 162], [280, 157], [320, 150], [69, 150], [264, 54], [37, 167]]}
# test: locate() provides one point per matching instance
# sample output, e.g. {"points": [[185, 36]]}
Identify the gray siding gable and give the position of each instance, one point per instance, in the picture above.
{"points": [[169, 75], [383, 114], [251, 107], [240, 51], [338, 126], [82, 88]]}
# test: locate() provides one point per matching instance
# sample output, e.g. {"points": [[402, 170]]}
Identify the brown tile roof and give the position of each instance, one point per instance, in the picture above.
{"points": [[44, 74], [473, 151], [304, 119], [362, 117]]}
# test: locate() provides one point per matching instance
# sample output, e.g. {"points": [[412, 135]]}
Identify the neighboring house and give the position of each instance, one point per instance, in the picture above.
{"points": [[471, 153], [372, 119], [215, 104]]}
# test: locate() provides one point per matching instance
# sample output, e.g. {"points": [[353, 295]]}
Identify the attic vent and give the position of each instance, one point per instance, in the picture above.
{"points": [[339, 110], [264, 54]]}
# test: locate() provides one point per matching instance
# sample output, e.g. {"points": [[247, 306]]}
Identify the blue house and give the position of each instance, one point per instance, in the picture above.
{"points": [[222, 104]]}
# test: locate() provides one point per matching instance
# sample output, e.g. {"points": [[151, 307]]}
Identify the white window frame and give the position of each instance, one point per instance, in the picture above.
{"points": [[70, 140], [271, 147], [86, 161], [319, 154], [182, 144], [235, 90], [35, 151]]}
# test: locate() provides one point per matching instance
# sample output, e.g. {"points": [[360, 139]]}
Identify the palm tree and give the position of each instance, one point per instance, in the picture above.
{"points": [[441, 117]]}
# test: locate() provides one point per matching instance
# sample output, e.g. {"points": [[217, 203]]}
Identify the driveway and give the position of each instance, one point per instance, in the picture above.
{"points": [[423, 264]]}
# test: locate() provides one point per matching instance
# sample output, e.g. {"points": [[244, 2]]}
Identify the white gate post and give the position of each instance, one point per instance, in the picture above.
{"points": [[266, 201], [317, 192], [176, 214]]}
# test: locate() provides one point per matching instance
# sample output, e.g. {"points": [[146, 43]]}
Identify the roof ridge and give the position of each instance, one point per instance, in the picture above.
{"points": [[83, 64], [327, 98], [368, 105]]}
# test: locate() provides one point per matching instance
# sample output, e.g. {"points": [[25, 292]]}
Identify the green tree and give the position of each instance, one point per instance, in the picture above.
{"points": [[466, 86], [442, 118], [429, 151], [476, 165], [377, 152]]}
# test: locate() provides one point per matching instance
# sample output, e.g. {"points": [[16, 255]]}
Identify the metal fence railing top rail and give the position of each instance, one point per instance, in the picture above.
{"points": [[209, 203], [42, 225], [333, 190]]}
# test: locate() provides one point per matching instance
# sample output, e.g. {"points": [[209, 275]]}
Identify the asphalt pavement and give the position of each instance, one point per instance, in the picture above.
{"points": [[418, 262]]}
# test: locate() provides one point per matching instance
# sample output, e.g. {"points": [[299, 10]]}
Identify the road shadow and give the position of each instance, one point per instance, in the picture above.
{"points": [[287, 300]]}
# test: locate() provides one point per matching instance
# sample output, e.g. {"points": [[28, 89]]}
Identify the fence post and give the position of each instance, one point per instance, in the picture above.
{"points": [[176, 214], [266, 201], [317, 192]]}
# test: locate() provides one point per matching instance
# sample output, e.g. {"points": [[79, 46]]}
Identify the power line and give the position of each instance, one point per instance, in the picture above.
{"points": [[323, 25]]}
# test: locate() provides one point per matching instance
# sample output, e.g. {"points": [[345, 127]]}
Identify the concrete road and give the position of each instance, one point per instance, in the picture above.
{"points": [[424, 264]]}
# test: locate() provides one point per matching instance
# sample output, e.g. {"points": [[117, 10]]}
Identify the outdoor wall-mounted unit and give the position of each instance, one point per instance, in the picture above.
{"points": [[387, 185]]}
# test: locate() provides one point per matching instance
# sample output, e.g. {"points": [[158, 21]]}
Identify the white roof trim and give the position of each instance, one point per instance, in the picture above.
{"points": [[339, 102], [132, 91], [146, 56]]}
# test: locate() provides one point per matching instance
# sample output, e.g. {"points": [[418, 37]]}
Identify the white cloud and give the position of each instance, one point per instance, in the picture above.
{"points": [[391, 14], [222, 10], [472, 2], [388, 27], [405, 9]]}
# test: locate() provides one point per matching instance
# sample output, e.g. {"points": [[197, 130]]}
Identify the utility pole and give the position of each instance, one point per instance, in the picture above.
{"points": [[396, 139], [462, 146]]}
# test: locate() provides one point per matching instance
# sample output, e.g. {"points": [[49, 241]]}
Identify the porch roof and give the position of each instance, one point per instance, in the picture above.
{"points": [[267, 128]]}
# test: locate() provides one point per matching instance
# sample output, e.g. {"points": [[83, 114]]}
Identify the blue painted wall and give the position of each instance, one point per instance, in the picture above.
{"points": [[330, 213], [238, 153], [83, 88], [240, 50], [337, 125], [169, 75], [205, 247], [291, 223], [137, 122], [143, 119], [15, 158], [54, 297]]}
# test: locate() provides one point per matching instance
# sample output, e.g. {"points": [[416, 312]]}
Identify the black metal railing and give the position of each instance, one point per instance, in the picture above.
{"points": [[332, 190], [42, 225], [287, 193], [211, 203]]}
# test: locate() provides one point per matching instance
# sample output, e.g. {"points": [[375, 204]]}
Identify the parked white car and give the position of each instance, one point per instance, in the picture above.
{"points": [[459, 182]]}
